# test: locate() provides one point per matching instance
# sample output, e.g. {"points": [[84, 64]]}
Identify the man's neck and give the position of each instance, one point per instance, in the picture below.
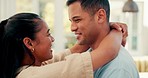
{"points": [[105, 31]]}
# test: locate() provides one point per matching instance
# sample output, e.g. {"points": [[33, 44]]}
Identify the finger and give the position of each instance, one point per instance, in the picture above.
{"points": [[111, 23], [124, 30], [44, 63], [124, 27], [123, 42], [115, 26]]}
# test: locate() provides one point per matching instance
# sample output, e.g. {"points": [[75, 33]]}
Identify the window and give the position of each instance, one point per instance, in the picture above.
{"points": [[134, 22]]}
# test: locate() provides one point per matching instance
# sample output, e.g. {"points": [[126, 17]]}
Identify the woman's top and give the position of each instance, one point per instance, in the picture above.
{"points": [[62, 65]]}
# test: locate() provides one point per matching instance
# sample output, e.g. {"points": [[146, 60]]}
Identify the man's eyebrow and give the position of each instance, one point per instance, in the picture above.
{"points": [[76, 17]]}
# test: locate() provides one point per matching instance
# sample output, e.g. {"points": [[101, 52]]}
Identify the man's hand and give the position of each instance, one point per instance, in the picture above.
{"points": [[121, 27]]}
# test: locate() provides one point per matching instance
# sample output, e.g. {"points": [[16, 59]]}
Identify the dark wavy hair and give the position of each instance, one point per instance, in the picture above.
{"points": [[92, 6], [12, 48]]}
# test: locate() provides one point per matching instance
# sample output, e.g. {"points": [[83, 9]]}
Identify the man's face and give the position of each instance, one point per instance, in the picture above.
{"points": [[83, 25]]}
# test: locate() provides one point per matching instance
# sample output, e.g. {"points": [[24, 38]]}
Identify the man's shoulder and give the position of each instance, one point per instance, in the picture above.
{"points": [[122, 59], [122, 62]]}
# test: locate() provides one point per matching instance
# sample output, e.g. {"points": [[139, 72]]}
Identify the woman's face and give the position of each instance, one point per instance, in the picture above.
{"points": [[42, 44]]}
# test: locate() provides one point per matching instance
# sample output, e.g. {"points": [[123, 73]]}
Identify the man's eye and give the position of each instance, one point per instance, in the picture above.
{"points": [[77, 20]]}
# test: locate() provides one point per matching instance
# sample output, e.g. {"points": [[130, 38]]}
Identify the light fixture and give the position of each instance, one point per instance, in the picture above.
{"points": [[130, 6]]}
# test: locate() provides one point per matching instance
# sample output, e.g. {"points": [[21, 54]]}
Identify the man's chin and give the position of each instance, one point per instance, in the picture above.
{"points": [[81, 43]]}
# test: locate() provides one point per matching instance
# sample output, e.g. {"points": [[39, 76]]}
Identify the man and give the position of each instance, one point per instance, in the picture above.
{"points": [[90, 23]]}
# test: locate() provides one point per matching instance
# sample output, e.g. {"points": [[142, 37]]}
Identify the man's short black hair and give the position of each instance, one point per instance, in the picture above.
{"points": [[92, 6]]}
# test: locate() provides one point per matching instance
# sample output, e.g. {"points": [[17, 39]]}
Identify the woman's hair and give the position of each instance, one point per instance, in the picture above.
{"points": [[12, 48]]}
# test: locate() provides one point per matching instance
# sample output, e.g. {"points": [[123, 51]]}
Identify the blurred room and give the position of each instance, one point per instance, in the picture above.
{"points": [[54, 12]]}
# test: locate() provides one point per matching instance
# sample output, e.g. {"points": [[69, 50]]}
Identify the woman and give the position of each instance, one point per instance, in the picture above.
{"points": [[25, 45]]}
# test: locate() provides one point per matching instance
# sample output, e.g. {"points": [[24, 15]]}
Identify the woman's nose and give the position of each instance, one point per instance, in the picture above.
{"points": [[52, 39]]}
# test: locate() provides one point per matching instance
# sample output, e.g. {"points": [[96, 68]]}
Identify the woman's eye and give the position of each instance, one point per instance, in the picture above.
{"points": [[48, 34]]}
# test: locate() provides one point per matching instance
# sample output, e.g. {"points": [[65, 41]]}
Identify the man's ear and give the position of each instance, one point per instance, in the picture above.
{"points": [[28, 43], [101, 15]]}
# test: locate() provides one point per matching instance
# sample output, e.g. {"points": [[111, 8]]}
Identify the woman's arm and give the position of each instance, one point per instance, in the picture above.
{"points": [[78, 65], [113, 25], [79, 48], [117, 26], [107, 49]]}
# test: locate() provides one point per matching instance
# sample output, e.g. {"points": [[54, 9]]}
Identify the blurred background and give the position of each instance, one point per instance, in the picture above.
{"points": [[54, 12]]}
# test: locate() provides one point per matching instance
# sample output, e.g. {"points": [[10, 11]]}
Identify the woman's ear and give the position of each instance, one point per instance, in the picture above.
{"points": [[101, 15], [28, 43]]}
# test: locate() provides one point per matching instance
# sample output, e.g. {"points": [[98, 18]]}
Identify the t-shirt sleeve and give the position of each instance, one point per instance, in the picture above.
{"points": [[74, 66]]}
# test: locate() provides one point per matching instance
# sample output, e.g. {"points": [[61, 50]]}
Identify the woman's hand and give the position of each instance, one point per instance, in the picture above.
{"points": [[79, 48], [123, 27]]}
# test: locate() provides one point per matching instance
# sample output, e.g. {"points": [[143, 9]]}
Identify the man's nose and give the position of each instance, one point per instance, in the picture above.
{"points": [[73, 27]]}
